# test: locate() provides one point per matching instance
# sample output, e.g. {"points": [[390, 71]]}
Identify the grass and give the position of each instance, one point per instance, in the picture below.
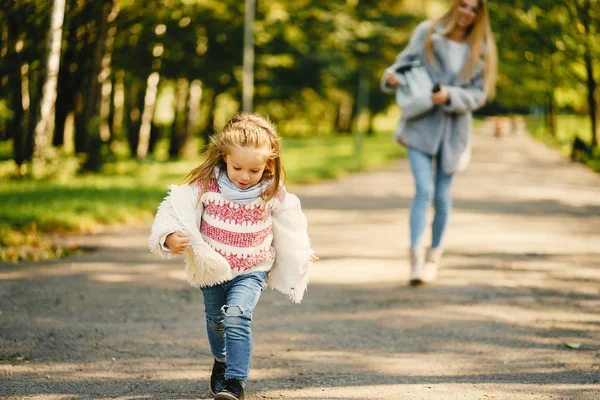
{"points": [[13, 358], [567, 128], [129, 191]]}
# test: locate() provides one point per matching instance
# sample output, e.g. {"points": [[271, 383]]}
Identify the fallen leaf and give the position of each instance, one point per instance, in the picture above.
{"points": [[573, 345]]}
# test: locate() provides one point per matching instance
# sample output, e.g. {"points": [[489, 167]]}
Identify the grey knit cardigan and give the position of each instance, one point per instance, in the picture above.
{"points": [[446, 128]]}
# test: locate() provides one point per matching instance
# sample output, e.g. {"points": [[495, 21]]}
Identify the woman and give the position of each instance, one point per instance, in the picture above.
{"points": [[460, 55]]}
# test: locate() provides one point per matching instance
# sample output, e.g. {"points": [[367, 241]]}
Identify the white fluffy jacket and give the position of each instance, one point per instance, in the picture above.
{"points": [[205, 267]]}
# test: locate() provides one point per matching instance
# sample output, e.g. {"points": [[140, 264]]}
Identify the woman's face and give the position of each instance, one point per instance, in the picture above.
{"points": [[466, 13]]}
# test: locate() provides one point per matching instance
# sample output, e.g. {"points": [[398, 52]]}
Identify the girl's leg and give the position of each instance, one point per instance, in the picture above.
{"points": [[214, 300], [421, 165], [242, 297], [442, 204]]}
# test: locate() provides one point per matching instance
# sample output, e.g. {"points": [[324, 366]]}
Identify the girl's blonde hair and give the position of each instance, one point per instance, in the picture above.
{"points": [[479, 36], [243, 131]]}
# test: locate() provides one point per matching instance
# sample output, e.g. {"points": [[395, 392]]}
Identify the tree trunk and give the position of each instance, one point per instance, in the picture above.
{"points": [[4, 88], [118, 105], [154, 136], [551, 116], [344, 118], [105, 74], [91, 112], [369, 122], [147, 115], [66, 84], [44, 123], [85, 78], [14, 88], [133, 109], [33, 83], [589, 68], [177, 136], [362, 111], [209, 130], [192, 115], [110, 119], [248, 68]]}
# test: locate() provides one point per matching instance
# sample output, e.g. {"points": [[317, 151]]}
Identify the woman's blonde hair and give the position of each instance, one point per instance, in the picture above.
{"points": [[243, 131], [479, 36]]}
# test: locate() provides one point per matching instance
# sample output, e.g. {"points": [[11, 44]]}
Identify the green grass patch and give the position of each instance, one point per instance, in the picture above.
{"points": [[13, 358], [314, 159], [567, 128], [130, 191]]}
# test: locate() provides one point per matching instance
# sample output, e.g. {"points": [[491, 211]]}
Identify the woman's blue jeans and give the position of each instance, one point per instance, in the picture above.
{"points": [[229, 308], [430, 187]]}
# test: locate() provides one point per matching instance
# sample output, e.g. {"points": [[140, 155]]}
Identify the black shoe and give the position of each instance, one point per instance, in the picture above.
{"points": [[217, 377], [232, 390]]}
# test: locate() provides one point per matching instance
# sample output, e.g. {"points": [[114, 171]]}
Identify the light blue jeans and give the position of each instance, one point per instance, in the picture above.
{"points": [[229, 308], [430, 187]]}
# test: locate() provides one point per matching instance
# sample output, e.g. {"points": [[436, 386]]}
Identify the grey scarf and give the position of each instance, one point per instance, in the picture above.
{"points": [[234, 193]]}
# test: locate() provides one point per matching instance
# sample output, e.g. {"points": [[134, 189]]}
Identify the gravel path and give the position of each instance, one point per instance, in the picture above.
{"points": [[520, 283]]}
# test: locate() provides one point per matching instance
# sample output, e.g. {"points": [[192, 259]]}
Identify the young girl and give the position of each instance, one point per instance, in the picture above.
{"points": [[240, 230], [460, 54]]}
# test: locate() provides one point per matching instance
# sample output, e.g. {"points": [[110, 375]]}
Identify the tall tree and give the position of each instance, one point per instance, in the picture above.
{"points": [[43, 128]]}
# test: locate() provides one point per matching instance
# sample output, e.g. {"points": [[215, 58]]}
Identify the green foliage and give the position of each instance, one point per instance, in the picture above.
{"points": [[57, 166], [313, 159], [541, 48], [6, 148], [567, 128], [129, 191]]}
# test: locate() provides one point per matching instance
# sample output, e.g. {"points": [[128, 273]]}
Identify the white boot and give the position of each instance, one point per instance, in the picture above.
{"points": [[432, 260], [417, 261]]}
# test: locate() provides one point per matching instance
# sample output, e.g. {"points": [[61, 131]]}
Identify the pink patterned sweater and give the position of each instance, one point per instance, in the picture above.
{"points": [[243, 234]]}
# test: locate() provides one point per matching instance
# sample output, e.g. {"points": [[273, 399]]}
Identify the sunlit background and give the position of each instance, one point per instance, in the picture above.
{"points": [[133, 89]]}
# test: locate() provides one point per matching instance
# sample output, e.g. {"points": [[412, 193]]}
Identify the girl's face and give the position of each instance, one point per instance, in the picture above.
{"points": [[245, 166], [466, 13]]}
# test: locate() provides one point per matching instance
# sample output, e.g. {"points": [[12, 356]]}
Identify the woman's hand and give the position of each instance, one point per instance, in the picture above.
{"points": [[392, 81], [440, 97], [177, 242]]}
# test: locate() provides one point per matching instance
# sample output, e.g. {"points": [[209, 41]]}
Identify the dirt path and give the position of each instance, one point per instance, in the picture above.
{"points": [[521, 278]]}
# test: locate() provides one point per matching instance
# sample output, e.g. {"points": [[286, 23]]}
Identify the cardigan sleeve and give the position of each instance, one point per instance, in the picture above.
{"points": [[290, 270], [414, 50], [468, 97], [165, 222]]}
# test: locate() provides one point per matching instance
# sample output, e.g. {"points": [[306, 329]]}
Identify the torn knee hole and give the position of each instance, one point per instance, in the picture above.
{"points": [[215, 319], [233, 310]]}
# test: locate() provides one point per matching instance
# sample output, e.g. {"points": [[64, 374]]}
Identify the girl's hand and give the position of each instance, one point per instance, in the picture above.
{"points": [[177, 242], [440, 97], [392, 80], [313, 258]]}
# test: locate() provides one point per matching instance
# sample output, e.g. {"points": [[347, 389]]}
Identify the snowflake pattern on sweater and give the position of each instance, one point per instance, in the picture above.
{"points": [[242, 234]]}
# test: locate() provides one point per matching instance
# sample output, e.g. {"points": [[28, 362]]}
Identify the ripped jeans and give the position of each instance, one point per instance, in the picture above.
{"points": [[229, 308]]}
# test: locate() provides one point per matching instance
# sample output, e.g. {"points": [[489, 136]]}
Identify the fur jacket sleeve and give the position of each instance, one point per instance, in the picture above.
{"points": [[179, 212], [290, 271]]}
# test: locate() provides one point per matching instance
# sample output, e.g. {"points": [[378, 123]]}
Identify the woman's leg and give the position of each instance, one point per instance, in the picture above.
{"points": [[442, 203], [421, 165], [242, 297]]}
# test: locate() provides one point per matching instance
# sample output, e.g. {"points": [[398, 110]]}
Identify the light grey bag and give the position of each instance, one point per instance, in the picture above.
{"points": [[413, 94]]}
